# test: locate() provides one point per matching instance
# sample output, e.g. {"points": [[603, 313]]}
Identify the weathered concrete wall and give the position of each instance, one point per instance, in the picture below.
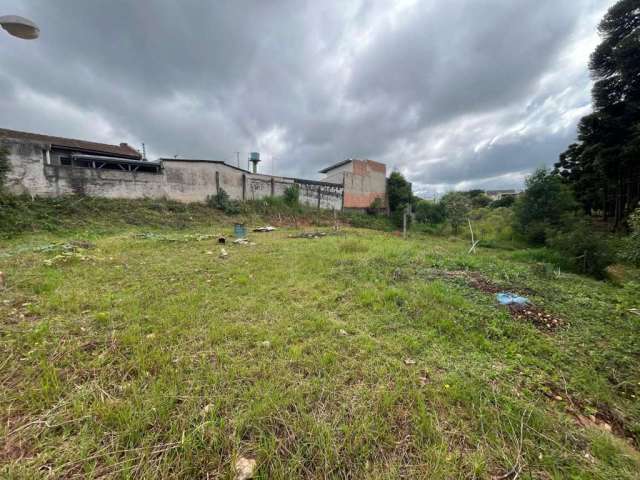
{"points": [[181, 180], [363, 180]]}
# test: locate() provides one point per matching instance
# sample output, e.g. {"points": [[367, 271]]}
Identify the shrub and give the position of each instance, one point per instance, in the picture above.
{"points": [[292, 195], [506, 201], [429, 212], [376, 206], [221, 201], [545, 205], [456, 208], [584, 250], [398, 220], [631, 250]]}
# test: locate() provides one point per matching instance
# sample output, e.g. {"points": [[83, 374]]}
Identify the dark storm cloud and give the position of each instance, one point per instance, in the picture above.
{"points": [[433, 88]]}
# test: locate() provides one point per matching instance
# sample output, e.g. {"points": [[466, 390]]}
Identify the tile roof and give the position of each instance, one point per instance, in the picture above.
{"points": [[122, 150]]}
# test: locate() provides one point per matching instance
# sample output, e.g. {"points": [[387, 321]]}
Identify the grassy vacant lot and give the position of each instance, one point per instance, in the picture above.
{"points": [[350, 356]]}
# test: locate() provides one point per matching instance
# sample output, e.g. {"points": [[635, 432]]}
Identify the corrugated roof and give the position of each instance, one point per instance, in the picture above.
{"points": [[122, 150]]}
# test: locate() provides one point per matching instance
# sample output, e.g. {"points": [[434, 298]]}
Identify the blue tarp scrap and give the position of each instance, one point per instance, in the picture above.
{"points": [[508, 298]]}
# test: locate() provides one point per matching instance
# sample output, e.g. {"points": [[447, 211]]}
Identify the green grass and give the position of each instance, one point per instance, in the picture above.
{"points": [[150, 356]]}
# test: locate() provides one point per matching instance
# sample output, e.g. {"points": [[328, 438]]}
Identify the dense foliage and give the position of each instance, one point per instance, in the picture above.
{"points": [[398, 192], [456, 207], [222, 201], [545, 204], [506, 201], [292, 195], [427, 211], [400, 198], [604, 166], [632, 248]]}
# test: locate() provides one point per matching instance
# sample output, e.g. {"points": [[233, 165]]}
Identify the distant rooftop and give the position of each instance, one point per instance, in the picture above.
{"points": [[122, 150]]}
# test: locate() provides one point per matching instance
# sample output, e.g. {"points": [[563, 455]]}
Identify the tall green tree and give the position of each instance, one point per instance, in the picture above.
{"points": [[604, 166], [456, 208], [545, 204], [398, 192]]}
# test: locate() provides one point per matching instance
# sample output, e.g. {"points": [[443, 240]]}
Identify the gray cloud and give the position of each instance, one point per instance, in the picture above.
{"points": [[454, 94]]}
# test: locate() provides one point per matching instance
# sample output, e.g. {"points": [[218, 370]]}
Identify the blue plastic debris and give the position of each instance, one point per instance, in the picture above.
{"points": [[507, 298]]}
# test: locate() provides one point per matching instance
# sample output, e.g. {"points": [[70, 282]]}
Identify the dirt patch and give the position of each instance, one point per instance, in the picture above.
{"points": [[17, 311], [604, 418], [535, 315]]}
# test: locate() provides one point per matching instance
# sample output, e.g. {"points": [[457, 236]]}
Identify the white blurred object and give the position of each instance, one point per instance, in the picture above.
{"points": [[20, 27]]}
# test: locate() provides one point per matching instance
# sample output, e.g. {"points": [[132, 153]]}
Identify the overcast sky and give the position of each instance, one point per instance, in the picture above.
{"points": [[455, 94]]}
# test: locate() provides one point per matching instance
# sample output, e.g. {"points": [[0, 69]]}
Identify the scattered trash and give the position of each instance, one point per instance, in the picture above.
{"points": [[222, 240], [198, 237], [72, 246], [208, 252], [245, 468], [266, 343], [310, 235], [223, 253], [635, 311], [507, 298], [243, 241], [66, 257], [151, 335], [343, 332], [266, 228], [409, 361]]}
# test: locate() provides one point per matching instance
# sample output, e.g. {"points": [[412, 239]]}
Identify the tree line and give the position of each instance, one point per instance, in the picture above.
{"points": [[603, 166]]}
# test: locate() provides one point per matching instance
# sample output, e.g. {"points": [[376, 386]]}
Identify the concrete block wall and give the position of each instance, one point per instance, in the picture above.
{"points": [[180, 180]]}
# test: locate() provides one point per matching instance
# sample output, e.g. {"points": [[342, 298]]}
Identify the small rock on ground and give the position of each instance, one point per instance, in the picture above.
{"points": [[245, 468]]}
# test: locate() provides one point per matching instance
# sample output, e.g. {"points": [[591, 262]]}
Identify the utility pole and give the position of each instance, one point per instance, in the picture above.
{"points": [[144, 152], [238, 158]]}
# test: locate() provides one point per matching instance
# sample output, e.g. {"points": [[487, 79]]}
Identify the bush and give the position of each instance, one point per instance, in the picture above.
{"points": [[506, 201], [583, 249], [397, 218], [631, 250], [429, 212], [292, 195], [492, 225], [545, 205], [376, 206], [456, 208], [221, 201]]}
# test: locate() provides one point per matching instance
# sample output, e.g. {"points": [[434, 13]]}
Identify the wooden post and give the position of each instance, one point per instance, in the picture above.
{"points": [[217, 182], [473, 241], [404, 223]]}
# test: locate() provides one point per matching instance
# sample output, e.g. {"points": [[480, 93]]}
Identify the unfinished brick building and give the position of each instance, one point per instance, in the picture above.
{"points": [[363, 180]]}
